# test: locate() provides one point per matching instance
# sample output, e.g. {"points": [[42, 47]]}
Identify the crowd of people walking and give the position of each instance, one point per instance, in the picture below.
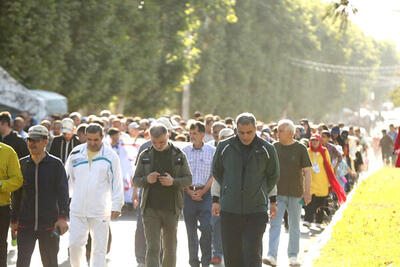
{"points": [[227, 177]]}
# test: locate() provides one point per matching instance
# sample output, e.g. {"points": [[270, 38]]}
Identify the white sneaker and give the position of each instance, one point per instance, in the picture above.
{"points": [[269, 260], [307, 224], [293, 261]]}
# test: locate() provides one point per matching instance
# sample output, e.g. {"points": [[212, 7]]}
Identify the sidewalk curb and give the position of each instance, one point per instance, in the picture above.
{"points": [[323, 238]]}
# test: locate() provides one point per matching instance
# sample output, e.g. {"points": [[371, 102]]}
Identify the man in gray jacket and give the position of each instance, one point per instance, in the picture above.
{"points": [[163, 171]]}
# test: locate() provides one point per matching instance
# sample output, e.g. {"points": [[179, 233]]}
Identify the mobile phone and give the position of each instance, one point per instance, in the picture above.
{"points": [[301, 202], [55, 232]]}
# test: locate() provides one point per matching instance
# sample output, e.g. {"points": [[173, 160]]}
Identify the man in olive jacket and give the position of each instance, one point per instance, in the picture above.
{"points": [[247, 168], [163, 171]]}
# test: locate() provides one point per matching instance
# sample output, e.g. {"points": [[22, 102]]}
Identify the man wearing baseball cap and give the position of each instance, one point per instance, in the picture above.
{"points": [[40, 206], [63, 144]]}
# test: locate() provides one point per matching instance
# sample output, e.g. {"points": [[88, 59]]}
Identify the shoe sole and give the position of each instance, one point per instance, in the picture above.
{"points": [[267, 262]]}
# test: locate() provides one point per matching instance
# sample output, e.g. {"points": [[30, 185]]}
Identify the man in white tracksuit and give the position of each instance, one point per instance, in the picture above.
{"points": [[96, 188]]}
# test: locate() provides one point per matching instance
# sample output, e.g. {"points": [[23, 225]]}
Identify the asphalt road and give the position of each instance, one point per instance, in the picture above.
{"points": [[123, 247]]}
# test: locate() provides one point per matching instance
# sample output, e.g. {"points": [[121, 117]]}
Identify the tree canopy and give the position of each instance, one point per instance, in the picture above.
{"points": [[249, 55]]}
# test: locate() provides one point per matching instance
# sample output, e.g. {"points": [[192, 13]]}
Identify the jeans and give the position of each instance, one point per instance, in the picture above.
{"points": [[197, 215], [293, 207], [315, 208], [155, 222], [48, 246], [242, 238], [4, 226], [216, 237]]}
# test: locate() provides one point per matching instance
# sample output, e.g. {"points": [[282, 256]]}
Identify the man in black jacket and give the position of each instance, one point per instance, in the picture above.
{"points": [[39, 209], [10, 137], [63, 144]]}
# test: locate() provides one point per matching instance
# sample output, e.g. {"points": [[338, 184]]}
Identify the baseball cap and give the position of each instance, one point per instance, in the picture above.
{"points": [[67, 125], [165, 121], [133, 125], [226, 132], [37, 132]]}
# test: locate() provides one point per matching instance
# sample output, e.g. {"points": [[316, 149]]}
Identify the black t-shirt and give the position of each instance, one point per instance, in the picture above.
{"points": [[292, 159], [162, 197]]}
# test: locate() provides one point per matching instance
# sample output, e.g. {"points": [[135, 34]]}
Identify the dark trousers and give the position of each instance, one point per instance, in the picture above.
{"points": [[197, 216], [156, 223], [315, 209], [4, 226], [242, 238], [48, 246], [140, 241]]}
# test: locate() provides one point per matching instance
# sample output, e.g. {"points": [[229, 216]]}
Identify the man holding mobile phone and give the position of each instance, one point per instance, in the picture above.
{"points": [[162, 171], [40, 206]]}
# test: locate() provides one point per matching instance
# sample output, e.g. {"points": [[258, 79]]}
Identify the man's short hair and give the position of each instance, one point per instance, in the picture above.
{"points": [[157, 130], [289, 125], [229, 120], [384, 131], [5, 117], [19, 119], [197, 114], [209, 118], [82, 128], [246, 119], [199, 126], [94, 128], [113, 131], [181, 137]]}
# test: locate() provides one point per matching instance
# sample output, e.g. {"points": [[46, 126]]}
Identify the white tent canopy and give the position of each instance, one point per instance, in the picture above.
{"points": [[38, 103]]}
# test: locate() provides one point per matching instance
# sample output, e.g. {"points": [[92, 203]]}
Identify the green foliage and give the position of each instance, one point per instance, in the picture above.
{"points": [[394, 96], [247, 65], [137, 55]]}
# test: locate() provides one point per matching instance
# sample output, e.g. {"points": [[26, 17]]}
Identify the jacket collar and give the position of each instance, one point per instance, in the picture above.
{"points": [[45, 159], [235, 141], [83, 149]]}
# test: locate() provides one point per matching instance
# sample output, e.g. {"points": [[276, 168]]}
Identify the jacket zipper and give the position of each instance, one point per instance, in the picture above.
{"points": [[262, 190], [36, 196]]}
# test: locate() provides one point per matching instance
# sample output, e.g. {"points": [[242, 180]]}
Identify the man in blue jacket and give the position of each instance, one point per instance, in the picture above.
{"points": [[247, 168], [40, 207]]}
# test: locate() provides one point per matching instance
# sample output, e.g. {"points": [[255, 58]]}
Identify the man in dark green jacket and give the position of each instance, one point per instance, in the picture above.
{"points": [[163, 171], [247, 168]]}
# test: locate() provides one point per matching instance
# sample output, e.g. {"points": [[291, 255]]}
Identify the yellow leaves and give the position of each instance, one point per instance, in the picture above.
{"points": [[189, 10], [368, 233], [170, 58], [231, 16]]}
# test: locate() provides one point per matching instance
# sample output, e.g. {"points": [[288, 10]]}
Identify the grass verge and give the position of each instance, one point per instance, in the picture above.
{"points": [[369, 232]]}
